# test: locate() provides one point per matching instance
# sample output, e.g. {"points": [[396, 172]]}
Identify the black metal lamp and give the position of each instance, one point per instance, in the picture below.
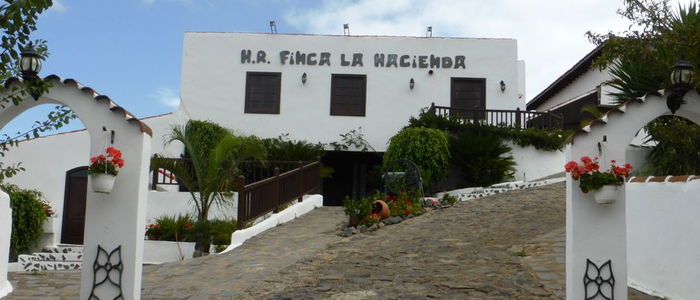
{"points": [[681, 81], [412, 84], [503, 86], [30, 63], [303, 78]]}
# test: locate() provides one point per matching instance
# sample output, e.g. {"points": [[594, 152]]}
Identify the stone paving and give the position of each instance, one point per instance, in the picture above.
{"points": [[506, 246]]}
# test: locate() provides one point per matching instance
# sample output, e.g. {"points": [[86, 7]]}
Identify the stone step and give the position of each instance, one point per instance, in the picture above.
{"points": [[64, 249], [59, 256], [29, 266]]}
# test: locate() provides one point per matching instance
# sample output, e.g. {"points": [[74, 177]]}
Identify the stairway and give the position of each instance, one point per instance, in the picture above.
{"points": [[53, 258]]}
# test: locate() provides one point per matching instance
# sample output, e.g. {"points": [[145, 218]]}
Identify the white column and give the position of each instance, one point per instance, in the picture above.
{"points": [[5, 233], [116, 222], [595, 235]]}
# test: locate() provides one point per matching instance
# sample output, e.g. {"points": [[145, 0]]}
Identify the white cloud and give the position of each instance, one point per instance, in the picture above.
{"points": [[166, 96], [550, 33]]}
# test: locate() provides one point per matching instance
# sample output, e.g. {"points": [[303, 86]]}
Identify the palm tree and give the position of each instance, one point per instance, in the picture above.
{"points": [[210, 172]]}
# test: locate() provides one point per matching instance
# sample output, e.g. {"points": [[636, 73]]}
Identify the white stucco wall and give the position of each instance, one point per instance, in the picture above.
{"points": [[5, 233], [214, 81], [533, 164], [662, 238], [583, 84], [176, 203]]}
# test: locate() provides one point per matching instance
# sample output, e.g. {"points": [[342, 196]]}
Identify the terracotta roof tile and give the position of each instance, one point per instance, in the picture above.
{"points": [[129, 117]]}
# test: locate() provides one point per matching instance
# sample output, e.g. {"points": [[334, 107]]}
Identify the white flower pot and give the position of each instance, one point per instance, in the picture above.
{"points": [[102, 183], [48, 226], [607, 194]]}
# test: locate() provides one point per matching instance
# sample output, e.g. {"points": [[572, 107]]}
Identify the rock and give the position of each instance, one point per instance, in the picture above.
{"points": [[372, 228], [380, 225], [362, 228], [348, 232]]}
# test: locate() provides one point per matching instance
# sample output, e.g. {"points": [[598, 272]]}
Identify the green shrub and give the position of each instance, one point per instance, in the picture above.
{"points": [[357, 208], [221, 230], [428, 148], [481, 158], [450, 199], [677, 151], [205, 134], [28, 215], [172, 228], [284, 149], [541, 139]]}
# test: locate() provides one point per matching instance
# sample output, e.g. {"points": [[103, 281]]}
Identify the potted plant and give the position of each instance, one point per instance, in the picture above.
{"points": [[103, 170], [356, 210], [604, 184]]}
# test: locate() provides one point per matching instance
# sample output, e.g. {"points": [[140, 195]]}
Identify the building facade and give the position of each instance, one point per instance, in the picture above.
{"points": [[316, 87], [312, 87]]}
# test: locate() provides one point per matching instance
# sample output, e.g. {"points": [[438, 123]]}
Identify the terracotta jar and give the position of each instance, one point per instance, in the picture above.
{"points": [[379, 207]]}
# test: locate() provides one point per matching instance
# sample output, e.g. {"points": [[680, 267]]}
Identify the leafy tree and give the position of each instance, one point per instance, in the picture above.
{"points": [[640, 58], [210, 172], [428, 148], [17, 22]]}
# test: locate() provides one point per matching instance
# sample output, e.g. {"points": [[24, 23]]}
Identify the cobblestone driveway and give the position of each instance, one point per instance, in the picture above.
{"points": [[470, 251]]}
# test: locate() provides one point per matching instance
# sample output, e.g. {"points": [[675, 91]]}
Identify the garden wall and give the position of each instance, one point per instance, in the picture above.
{"points": [[533, 164], [5, 233], [662, 236]]}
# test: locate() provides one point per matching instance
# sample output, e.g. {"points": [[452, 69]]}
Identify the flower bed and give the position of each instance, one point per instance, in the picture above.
{"points": [[364, 217]]}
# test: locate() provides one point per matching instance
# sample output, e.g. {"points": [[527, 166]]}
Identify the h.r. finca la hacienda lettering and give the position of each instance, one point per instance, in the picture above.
{"points": [[381, 60]]}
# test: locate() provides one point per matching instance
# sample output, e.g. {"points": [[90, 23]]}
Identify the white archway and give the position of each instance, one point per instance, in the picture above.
{"points": [[114, 222], [598, 232]]}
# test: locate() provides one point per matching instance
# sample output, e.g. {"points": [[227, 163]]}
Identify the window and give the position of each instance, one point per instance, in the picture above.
{"points": [[262, 93], [348, 95], [468, 93]]}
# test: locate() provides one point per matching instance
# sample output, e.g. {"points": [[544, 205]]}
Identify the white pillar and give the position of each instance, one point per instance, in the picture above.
{"points": [[116, 222], [595, 235], [5, 233]]}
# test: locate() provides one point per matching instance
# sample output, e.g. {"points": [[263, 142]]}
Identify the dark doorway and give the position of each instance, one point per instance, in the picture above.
{"points": [[73, 226], [355, 174]]}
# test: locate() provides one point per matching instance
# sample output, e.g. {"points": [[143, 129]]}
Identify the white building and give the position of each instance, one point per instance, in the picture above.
{"points": [[312, 87]]}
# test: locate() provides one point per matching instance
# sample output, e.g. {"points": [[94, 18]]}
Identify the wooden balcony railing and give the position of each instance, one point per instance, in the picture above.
{"points": [[267, 195], [496, 117], [253, 171]]}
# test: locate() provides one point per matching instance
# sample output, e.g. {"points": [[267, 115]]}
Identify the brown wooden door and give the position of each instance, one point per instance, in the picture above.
{"points": [[74, 206], [468, 94]]}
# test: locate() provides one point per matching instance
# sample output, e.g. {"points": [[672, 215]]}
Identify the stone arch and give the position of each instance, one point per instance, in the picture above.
{"points": [[598, 232], [112, 220]]}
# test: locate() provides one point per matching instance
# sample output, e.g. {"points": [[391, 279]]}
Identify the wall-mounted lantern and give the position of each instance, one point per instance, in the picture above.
{"points": [[503, 86], [681, 81], [412, 84], [30, 63], [303, 78]]}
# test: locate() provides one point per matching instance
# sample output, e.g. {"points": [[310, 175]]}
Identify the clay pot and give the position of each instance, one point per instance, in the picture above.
{"points": [[379, 207]]}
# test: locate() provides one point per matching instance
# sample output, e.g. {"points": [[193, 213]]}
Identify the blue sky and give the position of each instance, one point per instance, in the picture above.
{"points": [[131, 50]]}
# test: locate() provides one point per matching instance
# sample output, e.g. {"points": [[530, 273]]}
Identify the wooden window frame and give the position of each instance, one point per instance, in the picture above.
{"points": [[248, 107], [334, 110]]}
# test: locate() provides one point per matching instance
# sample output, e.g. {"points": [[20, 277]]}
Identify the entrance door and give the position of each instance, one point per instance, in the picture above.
{"points": [[73, 226]]}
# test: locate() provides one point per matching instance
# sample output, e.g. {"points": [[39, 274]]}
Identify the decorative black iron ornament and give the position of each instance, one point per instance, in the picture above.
{"points": [[108, 268], [599, 281]]}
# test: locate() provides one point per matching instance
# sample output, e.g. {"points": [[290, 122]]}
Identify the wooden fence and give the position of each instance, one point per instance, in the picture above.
{"points": [[267, 195], [496, 117]]}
